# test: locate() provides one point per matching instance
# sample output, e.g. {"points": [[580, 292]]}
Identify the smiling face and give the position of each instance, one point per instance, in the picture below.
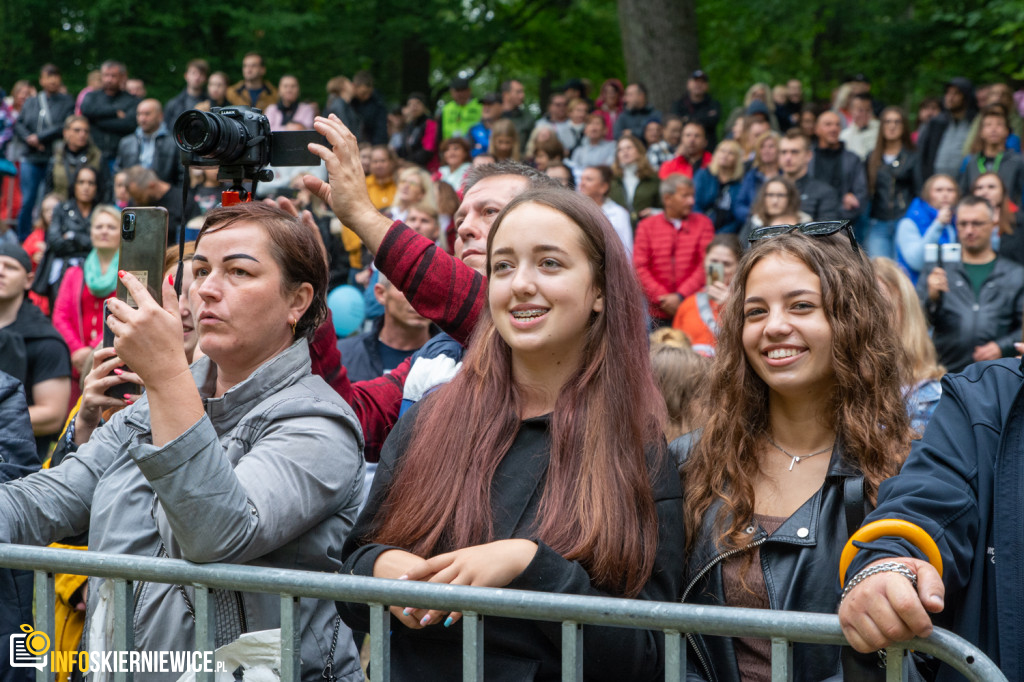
{"points": [[477, 212], [243, 315], [454, 155], [787, 338], [541, 288]]}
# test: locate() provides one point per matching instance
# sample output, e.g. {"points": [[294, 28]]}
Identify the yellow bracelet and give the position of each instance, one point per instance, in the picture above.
{"points": [[893, 528]]}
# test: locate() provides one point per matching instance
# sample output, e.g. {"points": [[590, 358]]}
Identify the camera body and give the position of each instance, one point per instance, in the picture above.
{"points": [[239, 140], [224, 136]]}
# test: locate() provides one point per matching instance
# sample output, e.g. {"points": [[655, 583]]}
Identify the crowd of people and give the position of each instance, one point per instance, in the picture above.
{"points": [[775, 295]]}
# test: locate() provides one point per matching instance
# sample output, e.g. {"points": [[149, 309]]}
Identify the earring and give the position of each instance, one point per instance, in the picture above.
{"points": [[293, 326]]}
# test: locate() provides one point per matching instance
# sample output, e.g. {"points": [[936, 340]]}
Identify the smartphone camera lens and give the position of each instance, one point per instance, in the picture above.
{"points": [[128, 227]]}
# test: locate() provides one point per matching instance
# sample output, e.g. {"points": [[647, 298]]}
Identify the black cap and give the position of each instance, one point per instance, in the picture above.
{"points": [[962, 84], [14, 250], [699, 75], [491, 98], [459, 83], [574, 84]]}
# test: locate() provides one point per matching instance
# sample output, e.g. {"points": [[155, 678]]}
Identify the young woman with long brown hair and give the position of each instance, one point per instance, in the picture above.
{"points": [[805, 418], [541, 466]]}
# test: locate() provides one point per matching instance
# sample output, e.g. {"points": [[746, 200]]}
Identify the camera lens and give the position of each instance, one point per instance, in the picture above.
{"points": [[212, 136]]}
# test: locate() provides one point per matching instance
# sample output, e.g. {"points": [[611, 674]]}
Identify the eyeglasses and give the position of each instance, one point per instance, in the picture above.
{"points": [[817, 229]]}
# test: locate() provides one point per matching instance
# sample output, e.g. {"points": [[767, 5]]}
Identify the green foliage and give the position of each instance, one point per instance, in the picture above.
{"points": [[315, 39], [907, 49]]}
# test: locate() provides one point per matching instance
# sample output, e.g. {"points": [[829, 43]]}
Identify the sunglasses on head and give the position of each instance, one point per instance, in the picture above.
{"points": [[817, 229]]}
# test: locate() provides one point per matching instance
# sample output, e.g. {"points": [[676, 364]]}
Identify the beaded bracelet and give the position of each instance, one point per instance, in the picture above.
{"points": [[887, 567]]}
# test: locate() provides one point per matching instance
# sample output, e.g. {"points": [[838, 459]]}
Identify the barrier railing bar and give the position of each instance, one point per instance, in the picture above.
{"points": [[124, 629], [711, 620], [675, 656], [782, 660], [895, 671], [472, 647], [291, 639], [572, 651], [205, 628], [380, 643], [43, 587]]}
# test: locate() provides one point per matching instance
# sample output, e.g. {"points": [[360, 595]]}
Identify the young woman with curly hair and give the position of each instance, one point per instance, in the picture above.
{"points": [[805, 418]]}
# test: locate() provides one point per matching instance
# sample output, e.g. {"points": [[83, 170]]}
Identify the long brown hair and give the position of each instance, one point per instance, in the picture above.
{"points": [[876, 159], [597, 506], [792, 202], [865, 408]]}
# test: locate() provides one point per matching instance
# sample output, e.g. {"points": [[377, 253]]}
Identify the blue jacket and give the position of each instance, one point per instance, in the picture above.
{"points": [[963, 483], [706, 188], [749, 186]]}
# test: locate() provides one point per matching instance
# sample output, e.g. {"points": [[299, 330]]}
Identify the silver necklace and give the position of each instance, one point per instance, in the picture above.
{"points": [[793, 458]]}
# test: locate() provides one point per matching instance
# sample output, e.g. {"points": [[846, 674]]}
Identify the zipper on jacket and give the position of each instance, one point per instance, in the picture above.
{"points": [[241, 612], [690, 638]]}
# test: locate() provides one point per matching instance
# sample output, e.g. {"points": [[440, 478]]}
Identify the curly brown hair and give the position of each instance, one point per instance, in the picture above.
{"points": [[865, 409]]}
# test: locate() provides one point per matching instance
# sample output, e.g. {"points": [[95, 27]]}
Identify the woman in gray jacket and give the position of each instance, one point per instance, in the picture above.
{"points": [[245, 457]]}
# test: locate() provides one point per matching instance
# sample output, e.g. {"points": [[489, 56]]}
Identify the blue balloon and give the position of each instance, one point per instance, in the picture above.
{"points": [[347, 309]]}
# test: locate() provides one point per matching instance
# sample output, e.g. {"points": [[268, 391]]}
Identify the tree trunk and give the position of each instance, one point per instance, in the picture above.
{"points": [[659, 42], [415, 68]]}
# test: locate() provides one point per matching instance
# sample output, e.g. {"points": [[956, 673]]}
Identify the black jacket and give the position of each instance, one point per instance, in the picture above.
{"points": [[928, 143], [49, 127], [635, 120], [517, 650], [106, 127], [895, 187], [373, 115], [179, 104], [818, 200], [166, 157], [800, 562], [707, 112], [962, 484], [853, 180], [961, 320]]}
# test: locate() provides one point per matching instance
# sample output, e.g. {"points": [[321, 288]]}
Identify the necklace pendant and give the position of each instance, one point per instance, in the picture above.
{"points": [[792, 462]]}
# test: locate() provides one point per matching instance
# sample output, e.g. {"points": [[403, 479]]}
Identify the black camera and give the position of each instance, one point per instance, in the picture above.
{"points": [[238, 139]]}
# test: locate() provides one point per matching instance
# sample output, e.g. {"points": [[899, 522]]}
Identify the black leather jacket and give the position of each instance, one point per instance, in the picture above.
{"points": [[800, 562], [895, 187]]}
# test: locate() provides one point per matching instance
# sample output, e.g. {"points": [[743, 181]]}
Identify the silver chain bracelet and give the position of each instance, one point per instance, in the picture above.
{"points": [[887, 567]]}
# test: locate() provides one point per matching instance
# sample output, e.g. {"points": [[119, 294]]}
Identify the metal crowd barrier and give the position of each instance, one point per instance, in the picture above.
{"points": [[675, 620]]}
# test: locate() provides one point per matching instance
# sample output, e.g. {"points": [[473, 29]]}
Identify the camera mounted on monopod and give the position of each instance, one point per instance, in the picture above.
{"points": [[238, 140]]}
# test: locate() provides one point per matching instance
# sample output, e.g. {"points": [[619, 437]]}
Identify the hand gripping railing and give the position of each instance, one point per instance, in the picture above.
{"points": [[781, 627]]}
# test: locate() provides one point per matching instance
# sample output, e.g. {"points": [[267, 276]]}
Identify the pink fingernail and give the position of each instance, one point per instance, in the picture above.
{"points": [[425, 620], [404, 576], [118, 372]]}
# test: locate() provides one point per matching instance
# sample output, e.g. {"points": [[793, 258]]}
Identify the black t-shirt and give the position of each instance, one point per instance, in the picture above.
{"points": [[45, 355]]}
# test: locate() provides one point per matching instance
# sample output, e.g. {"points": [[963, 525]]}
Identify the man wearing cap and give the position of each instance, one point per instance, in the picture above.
{"points": [[490, 111], [462, 112], [698, 106], [31, 350], [941, 142]]}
